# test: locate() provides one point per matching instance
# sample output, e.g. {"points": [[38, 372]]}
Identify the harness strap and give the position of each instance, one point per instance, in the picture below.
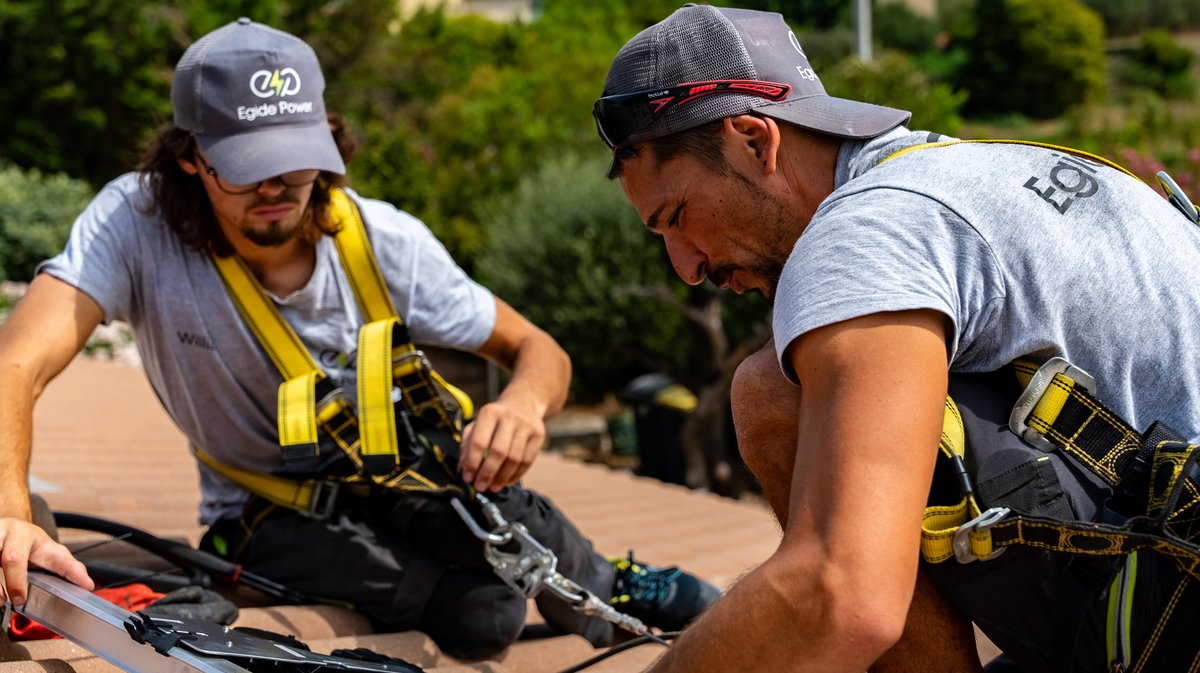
{"points": [[387, 360], [314, 497], [1066, 415], [1079, 153], [1074, 422]]}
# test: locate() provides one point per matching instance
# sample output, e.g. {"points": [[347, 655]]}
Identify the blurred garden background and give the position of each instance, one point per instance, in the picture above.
{"points": [[475, 116]]}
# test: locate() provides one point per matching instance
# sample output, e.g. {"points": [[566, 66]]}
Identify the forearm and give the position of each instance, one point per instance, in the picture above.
{"points": [[781, 617], [16, 421], [541, 375]]}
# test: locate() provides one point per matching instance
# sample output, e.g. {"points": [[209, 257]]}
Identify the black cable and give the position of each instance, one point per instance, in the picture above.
{"points": [[202, 565], [617, 649]]}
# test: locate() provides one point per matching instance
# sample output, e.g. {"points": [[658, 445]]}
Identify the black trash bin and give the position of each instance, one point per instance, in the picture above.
{"points": [[660, 407]]}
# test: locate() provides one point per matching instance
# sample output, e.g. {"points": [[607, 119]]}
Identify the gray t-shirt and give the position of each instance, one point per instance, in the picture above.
{"points": [[1028, 251], [207, 369]]}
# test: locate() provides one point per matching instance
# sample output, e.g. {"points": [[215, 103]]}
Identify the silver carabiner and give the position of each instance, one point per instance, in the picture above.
{"points": [[492, 538]]}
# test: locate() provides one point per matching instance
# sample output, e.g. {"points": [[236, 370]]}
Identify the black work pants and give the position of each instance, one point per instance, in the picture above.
{"points": [[409, 562]]}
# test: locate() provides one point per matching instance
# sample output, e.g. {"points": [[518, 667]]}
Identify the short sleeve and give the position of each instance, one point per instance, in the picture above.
{"points": [[439, 302], [102, 248], [883, 250]]}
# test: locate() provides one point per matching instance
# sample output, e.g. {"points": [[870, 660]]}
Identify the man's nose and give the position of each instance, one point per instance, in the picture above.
{"points": [[690, 264], [272, 187]]}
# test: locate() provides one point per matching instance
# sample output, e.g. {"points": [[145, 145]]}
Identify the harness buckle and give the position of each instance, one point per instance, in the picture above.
{"points": [[1033, 394], [324, 499], [962, 541]]}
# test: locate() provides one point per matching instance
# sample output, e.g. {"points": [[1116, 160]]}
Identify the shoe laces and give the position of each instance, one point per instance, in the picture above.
{"points": [[644, 584]]}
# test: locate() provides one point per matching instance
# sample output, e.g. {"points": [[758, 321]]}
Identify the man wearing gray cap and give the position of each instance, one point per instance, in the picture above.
{"points": [[902, 264], [240, 260]]}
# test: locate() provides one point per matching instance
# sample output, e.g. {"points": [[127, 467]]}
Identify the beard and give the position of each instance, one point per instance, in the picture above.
{"points": [[774, 222], [275, 232]]}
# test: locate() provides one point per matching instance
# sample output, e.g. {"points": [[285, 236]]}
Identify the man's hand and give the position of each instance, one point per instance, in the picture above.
{"points": [[501, 444], [506, 435], [23, 544]]}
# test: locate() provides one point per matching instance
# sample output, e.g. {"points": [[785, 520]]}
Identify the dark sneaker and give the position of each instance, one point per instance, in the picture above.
{"points": [[665, 598]]}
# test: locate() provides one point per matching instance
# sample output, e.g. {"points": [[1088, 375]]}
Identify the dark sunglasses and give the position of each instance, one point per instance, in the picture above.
{"points": [[291, 180], [620, 116]]}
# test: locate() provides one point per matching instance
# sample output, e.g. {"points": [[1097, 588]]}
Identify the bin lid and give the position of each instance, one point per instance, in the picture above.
{"points": [[676, 397]]}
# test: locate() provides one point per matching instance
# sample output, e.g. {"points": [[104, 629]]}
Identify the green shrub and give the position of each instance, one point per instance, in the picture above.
{"points": [[894, 80], [827, 47], [1033, 57], [36, 212], [1160, 64], [1129, 17], [898, 27], [566, 249]]}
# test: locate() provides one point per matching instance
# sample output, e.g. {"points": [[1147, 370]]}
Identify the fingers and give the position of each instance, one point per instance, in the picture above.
{"points": [[524, 450], [477, 438], [52, 556], [23, 544], [499, 447], [15, 543]]}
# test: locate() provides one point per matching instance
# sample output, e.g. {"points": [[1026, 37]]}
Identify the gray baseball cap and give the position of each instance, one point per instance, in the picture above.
{"points": [[704, 63], [252, 97]]}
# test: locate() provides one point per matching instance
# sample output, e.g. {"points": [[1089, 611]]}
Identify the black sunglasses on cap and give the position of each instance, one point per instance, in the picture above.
{"points": [[620, 116]]}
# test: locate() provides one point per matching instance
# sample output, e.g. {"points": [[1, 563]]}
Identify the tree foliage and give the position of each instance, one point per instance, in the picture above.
{"points": [[569, 252], [1161, 64], [1129, 17], [894, 80], [1032, 57], [36, 212]]}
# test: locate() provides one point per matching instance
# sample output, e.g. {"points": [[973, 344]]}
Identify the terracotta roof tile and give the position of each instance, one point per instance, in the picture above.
{"points": [[104, 446]]}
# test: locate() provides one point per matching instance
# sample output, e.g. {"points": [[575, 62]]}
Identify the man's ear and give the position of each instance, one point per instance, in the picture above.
{"points": [[758, 140]]}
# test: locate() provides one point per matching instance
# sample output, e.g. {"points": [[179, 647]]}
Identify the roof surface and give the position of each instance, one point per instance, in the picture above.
{"points": [[103, 446]]}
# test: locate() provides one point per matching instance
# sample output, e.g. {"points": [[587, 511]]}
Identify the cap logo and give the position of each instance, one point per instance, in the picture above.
{"points": [[795, 43], [267, 83]]}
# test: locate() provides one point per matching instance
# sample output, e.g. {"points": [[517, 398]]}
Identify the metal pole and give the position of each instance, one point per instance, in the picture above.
{"points": [[862, 24]]}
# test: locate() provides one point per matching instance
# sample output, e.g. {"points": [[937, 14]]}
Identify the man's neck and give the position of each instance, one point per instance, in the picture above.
{"points": [[282, 269]]}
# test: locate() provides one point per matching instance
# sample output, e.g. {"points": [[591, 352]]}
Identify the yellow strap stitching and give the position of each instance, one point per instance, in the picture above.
{"points": [[298, 411], [376, 415], [358, 260], [286, 492], [275, 335]]}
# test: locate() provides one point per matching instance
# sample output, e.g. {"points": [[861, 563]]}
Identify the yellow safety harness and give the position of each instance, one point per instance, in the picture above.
{"points": [[1155, 478], [394, 380]]}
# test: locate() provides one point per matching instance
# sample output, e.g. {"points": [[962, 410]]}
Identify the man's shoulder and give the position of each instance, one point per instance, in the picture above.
{"points": [[384, 220]]}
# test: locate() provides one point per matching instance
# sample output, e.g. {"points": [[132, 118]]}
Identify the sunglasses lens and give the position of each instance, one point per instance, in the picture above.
{"points": [[617, 120]]}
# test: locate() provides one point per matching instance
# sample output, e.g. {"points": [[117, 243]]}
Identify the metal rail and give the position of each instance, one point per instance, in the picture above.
{"points": [[97, 625]]}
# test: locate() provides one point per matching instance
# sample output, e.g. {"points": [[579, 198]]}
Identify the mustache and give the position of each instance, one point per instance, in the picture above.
{"points": [[719, 275], [280, 200]]}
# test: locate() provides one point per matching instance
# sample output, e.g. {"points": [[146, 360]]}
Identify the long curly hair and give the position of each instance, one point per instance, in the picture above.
{"points": [[180, 200]]}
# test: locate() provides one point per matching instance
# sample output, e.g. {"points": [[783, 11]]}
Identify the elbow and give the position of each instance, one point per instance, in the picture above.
{"points": [[845, 609]]}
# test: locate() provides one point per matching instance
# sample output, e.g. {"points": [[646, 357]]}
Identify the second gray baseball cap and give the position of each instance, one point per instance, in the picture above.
{"points": [[704, 63], [253, 98]]}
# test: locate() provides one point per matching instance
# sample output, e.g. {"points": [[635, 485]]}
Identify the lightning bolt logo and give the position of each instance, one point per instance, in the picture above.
{"points": [[275, 83]]}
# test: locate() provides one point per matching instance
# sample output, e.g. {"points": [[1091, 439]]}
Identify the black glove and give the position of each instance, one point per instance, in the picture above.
{"points": [[194, 603]]}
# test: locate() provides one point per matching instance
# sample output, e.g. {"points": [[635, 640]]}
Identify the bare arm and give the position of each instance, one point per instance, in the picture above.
{"points": [[834, 596], [45, 331], [504, 439]]}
